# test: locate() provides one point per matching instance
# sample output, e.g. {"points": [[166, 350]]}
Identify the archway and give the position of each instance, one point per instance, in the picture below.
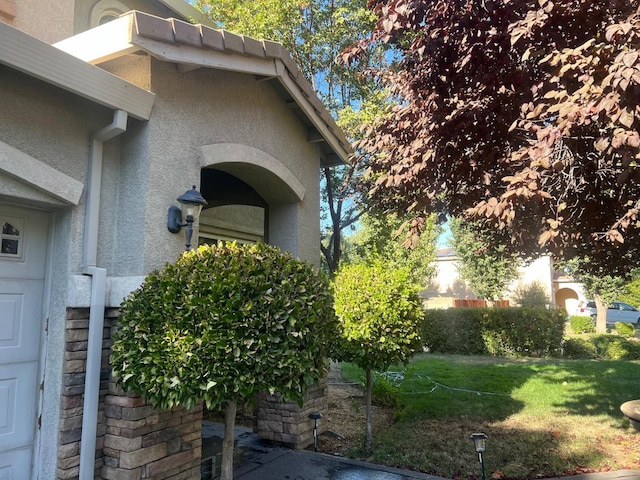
{"points": [[567, 298]]}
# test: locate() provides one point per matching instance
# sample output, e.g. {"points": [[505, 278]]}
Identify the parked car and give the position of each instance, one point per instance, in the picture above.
{"points": [[617, 312]]}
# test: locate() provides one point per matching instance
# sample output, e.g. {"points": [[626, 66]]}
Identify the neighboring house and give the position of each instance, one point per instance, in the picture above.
{"points": [[447, 285], [99, 134]]}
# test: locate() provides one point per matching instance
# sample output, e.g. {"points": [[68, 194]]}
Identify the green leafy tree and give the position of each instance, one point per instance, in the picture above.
{"points": [[603, 287], [483, 259], [522, 113], [221, 324], [379, 237], [379, 311], [532, 294], [631, 293]]}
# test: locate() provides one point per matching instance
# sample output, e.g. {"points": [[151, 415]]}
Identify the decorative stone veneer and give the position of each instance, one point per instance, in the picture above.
{"points": [[135, 441], [142, 442], [289, 423], [73, 377]]}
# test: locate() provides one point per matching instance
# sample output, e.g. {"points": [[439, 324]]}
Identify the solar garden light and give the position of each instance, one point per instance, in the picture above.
{"points": [[191, 203], [479, 441], [315, 416]]}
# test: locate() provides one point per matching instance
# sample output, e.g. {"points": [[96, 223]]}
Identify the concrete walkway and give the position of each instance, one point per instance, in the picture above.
{"points": [[256, 459], [285, 464]]}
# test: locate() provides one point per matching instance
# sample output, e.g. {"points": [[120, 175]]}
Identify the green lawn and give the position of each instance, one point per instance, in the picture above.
{"points": [[543, 417]]}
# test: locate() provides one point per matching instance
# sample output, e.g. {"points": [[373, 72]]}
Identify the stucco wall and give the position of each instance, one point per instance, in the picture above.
{"points": [[209, 107]]}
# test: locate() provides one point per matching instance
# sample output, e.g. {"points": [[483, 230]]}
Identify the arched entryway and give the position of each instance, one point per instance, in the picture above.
{"points": [[567, 298], [248, 183]]}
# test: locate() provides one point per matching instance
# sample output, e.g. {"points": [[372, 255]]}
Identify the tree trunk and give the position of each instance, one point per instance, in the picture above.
{"points": [[601, 319], [368, 438], [228, 440]]}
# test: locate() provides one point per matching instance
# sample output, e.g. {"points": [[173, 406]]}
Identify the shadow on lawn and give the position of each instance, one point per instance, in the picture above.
{"points": [[446, 406]]}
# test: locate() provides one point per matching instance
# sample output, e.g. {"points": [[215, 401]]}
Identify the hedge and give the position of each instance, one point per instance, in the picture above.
{"points": [[509, 332]]}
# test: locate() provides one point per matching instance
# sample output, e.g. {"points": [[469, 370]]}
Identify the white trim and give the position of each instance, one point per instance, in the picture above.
{"points": [[106, 7], [221, 154], [39, 175], [37, 59], [102, 43]]}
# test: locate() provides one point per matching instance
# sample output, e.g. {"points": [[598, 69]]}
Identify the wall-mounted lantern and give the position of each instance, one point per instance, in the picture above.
{"points": [[191, 203]]}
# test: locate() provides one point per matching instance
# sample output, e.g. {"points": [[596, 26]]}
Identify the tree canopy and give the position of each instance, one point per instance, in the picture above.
{"points": [[521, 113], [483, 259], [378, 238]]}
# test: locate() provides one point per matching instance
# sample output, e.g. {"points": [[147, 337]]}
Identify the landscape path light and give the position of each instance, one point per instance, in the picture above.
{"points": [[191, 203], [315, 416], [479, 442]]}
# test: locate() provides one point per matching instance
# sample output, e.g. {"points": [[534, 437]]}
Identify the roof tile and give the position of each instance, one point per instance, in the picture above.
{"points": [[153, 27], [272, 49], [233, 42], [187, 33], [212, 38], [253, 47]]}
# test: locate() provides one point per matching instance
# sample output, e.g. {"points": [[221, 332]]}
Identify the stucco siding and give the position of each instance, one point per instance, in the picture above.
{"points": [[205, 107]]}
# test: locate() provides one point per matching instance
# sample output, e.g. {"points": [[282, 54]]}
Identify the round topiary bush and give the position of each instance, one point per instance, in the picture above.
{"points": [[223, 323]]}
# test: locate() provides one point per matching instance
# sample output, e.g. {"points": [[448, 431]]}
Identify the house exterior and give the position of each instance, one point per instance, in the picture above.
{"points": [[99, 134], [447, 286]]}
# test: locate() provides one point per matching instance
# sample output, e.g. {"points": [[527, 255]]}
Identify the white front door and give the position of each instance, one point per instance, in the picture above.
{"points": [[23, 241]]}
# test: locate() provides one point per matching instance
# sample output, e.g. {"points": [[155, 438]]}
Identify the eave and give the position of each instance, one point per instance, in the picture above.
{"points": [[40, 60], [199, 46]]}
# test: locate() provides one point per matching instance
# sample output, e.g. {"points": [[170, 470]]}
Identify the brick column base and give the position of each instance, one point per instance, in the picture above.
{"points": [[142, 442], [288, 423]]}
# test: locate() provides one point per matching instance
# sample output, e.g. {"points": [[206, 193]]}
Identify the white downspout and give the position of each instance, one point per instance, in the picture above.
{"points": [[98, 292]]}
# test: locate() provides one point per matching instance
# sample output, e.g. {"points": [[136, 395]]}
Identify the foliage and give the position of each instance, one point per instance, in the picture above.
{"points": [[521, 113], [614, 347], [602, 347], [532, 294], [483, 259], [631, 292], [624, 329], [582, 324], [379, 311], [598, 284], [378, 238], [512, 332], [341, 196], [579, 348], [384, 393], [224, 322]]}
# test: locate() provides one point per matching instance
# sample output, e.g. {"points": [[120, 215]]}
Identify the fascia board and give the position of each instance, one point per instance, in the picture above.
{"points": [[341, 147], [37, 59], [185, 54]]}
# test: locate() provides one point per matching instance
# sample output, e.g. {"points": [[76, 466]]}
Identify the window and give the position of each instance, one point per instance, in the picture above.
{"points": [[11, 237]]}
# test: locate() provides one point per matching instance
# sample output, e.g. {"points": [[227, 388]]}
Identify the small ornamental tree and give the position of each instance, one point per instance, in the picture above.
{"points": [[222, 324], [379, 311]]}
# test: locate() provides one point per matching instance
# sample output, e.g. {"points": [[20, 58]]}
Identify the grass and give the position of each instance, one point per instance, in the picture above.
{"points": [[543, 418]]}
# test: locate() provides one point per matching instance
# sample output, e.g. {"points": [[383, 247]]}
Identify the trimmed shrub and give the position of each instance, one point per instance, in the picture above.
{"points": [[514, 332], [614, 347], [383, 392], [624, 329], [223, 323], [582, 324], [579, 348]]}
